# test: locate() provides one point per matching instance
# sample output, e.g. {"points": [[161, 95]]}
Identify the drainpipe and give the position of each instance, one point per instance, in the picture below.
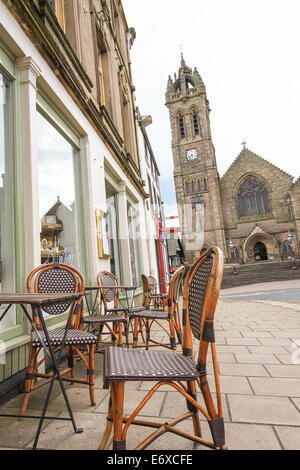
{"points": [[292, 216]]}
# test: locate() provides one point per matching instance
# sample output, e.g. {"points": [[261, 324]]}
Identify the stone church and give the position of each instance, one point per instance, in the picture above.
{"points": [[253, 207]]}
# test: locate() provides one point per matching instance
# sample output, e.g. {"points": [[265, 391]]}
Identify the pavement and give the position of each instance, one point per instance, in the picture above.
{"points": [[258, 347]]}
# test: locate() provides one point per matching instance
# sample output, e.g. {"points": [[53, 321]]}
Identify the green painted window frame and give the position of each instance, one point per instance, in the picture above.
{"points": [[8, 69], [50, 112]]}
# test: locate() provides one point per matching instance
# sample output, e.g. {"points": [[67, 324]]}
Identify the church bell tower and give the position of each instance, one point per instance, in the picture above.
{"points": [[195, 168]]}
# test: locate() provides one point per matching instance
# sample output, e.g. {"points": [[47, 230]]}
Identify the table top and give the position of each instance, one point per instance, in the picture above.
{"points": [[110, 287], [38, 299]]}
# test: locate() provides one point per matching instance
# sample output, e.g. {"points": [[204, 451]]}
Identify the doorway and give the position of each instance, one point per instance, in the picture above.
{"points": [[260, 252]]}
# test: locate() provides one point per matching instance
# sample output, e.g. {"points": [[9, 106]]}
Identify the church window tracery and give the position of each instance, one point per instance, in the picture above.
{"points": [[252, 198]]}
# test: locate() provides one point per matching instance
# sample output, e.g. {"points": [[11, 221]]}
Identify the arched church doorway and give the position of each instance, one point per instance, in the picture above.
{"points": [[260, 252]]}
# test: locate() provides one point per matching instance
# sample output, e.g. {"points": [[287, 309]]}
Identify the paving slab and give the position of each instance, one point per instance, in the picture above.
{"points": [[247, 370], [289, 436], [231, 384], [263, 410], [133, 398], [257, 358], [285, 387], [60, 435], [257, 334], [242, 341], [19, 434], [177, 407], [284, 370], [250, 437]]}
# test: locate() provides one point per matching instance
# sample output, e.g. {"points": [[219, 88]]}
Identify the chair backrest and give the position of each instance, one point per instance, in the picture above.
{"points": [[146, 291], [107, 279], [56, 278], [201, 291], [174, 287], [153, 285]]}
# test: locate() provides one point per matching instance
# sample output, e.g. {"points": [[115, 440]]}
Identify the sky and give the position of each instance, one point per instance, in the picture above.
{"points": [[247, 53]]}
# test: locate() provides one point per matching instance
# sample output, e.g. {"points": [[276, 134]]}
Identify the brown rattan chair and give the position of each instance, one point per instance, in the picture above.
{"points": [[59, 278], [147, 317], [114, 315], [180, 371], [156, 298]]}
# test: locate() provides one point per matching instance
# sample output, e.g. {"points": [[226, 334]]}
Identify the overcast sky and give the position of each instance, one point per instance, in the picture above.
{"points": [[247, 53]]}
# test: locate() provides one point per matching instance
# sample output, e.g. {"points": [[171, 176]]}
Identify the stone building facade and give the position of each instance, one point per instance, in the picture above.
{"points": [[72, 180], [254, 205]]}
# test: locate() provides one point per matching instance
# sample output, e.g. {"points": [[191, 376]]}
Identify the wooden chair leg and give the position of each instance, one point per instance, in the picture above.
{"points": [[108, 428], [191, 387], [135, 332], [70, 354], [91, 374], [28, 384], [117, 395], [147, 334], [120, 333], [113, 337], [172, 336]]}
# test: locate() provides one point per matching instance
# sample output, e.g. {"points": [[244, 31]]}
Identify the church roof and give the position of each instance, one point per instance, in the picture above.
{"points": [[248, 153]]}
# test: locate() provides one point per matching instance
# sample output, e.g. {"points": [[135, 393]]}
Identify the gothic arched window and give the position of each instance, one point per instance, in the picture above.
{"points": [[193, 187], [199, 186], [195, 121], [252, 198], [205, 184], [181, 125], [187, 188]]}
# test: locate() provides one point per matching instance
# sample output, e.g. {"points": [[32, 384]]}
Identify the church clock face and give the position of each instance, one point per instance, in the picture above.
{"points": [[191, 154]]}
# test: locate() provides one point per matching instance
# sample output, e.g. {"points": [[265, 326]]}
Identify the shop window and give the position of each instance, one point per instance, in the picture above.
{"points": [[57, 196], [134, 229], [112, 211], [6, 195]]}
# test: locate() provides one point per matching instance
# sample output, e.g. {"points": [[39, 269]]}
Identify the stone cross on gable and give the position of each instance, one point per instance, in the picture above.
{"points": [[244, 145]]}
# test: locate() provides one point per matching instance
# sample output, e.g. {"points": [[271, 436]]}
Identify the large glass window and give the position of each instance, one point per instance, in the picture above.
{"points": [[112, 210], [6, 194], [134, 231], [57, 196]]}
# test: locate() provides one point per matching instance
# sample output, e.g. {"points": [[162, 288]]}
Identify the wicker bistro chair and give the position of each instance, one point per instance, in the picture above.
{"points": [[179, 371], [158, 299], [115, 314], [59, 278], [112, 315], [146, 318]]}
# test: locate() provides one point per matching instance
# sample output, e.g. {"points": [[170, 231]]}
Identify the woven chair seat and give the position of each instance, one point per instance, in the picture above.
{"points": [[74, 337], [132, 364], [154, 314], [103, 318]]}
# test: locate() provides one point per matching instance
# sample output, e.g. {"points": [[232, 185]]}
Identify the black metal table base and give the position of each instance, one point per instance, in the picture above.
{"points": [[56, 373]]}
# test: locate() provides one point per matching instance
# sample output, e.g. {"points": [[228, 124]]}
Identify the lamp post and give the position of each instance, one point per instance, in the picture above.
{"points": [[290, 238], [232, 257]]}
